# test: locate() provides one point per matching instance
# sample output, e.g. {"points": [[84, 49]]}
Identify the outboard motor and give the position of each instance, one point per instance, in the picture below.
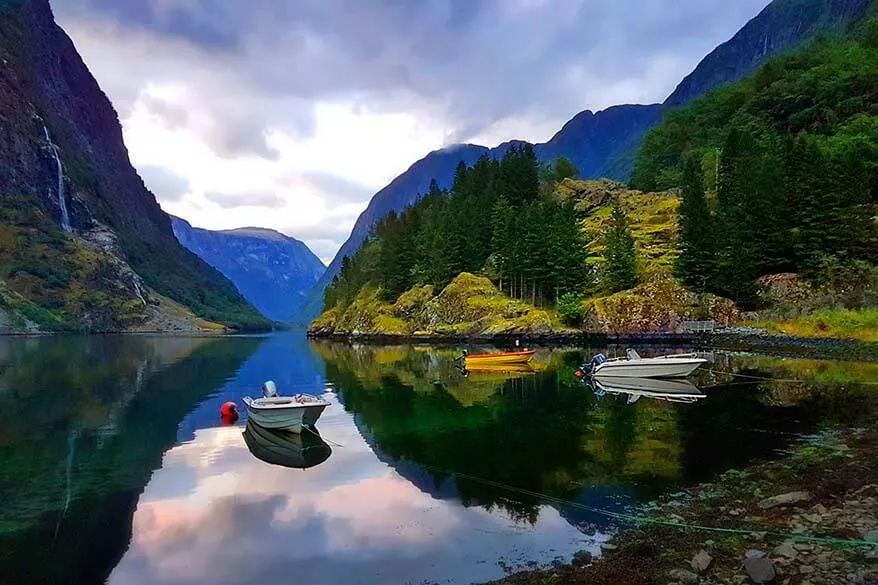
{"points": [[595, 361], [269, 389]]}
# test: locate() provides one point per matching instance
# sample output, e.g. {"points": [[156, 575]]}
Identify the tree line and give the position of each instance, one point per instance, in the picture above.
{"points": [[498, 219], [778, 173]]}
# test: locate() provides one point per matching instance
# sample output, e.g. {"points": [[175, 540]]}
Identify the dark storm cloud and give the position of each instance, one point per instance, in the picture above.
{"points": [[164, 184], [468, 63], [232, 200]]}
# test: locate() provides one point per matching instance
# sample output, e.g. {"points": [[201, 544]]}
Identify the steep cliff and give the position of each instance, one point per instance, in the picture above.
{"points": [[273, 271], [84, 244]]}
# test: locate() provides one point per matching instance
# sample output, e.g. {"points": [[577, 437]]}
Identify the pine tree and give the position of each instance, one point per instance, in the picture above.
{"points": [[697, 260], [620, 257]]}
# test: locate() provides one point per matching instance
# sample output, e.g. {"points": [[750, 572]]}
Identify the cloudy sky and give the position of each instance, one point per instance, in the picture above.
{"points": [[290, 114]]}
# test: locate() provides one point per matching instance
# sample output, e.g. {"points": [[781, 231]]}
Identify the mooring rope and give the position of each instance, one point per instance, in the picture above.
{"points": [[646, 520], [786, 380]]}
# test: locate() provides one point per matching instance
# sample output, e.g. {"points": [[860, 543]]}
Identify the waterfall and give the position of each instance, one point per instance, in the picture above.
{"points": [[62, 202]]}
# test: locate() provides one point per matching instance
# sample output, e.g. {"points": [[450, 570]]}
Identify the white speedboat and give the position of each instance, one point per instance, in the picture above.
{"points": [[658, 389], [634, 366], [289, 413]]}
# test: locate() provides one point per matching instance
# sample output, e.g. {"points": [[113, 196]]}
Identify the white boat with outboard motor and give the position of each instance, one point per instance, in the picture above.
{"points": [[633, 366], [290, 413], [671, 390]]}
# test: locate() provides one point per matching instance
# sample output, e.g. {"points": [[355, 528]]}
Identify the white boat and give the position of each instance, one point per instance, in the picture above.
{"points": [[655, 388], [634, 366], [289, 413]]}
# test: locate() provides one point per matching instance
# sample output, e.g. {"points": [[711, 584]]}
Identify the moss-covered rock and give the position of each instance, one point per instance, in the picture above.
{"points": [[469, 305], [659, 306]]}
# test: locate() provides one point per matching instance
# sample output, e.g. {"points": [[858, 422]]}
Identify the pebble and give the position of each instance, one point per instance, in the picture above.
{"points": [[784, 500], [683, 576], [701, 561], [786, 550]]}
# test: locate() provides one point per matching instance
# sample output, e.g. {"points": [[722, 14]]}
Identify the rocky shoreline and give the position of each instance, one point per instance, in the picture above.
{"points": [[809, 518], [740, 341]]}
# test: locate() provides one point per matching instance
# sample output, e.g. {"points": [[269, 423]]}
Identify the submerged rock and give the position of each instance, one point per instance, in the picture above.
{"points": [[582, 558]]}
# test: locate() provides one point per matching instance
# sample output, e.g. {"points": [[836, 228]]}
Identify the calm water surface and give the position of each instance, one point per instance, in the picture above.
{"points": [[115, 466]]}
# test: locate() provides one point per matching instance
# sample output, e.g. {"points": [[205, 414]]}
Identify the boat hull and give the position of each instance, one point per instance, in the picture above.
{"points": [[287, 419], [498, 359], [666, 368]]}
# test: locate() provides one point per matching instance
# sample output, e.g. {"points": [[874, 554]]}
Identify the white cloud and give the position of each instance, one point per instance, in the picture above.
{"points": [[298, 112]]}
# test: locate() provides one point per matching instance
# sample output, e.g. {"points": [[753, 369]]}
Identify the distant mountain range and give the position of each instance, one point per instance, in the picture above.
{"points": [[273, 271], [605, 143]]}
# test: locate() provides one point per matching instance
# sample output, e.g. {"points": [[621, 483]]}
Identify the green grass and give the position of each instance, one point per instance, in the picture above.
{"points": [[859, 325]]}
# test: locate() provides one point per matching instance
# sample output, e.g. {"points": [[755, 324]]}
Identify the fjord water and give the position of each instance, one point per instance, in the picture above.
{"points": [[116, 467]]}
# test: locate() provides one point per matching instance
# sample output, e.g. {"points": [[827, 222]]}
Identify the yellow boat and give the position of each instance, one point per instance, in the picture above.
{"points": [[493, 359]]}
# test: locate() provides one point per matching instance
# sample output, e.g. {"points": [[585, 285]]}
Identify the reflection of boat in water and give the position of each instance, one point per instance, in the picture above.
{"points": [[498, 371], [284, 412], [634, 366], [297, 450], [496, 359], [636, 388]]}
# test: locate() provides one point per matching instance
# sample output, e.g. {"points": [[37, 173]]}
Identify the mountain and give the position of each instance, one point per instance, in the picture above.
{"points": [[604, 144], [273, 271], [781, 25], [85, 245]]}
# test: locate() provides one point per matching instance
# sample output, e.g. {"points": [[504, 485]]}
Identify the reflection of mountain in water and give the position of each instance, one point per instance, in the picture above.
{"points": [[296, 450], [68, 485]]}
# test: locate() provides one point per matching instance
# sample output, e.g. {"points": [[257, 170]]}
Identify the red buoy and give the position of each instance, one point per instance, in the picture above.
{"points": [[229, 409], [578, 373]]}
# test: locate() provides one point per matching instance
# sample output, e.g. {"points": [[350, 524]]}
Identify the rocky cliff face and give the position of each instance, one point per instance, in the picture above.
{"points": [[780, 26], [273, 271], [84, 241]]}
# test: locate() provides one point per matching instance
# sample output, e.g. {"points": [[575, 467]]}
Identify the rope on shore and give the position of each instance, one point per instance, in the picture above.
{"points": [[646, 520], [786, 380]]}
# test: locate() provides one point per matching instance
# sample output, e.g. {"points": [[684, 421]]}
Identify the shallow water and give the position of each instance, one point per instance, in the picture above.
{"points": [[116, 467]]}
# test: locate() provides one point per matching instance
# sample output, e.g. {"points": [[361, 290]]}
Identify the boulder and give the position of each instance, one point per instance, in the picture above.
{"points": [[760, 569], [660, 306]]}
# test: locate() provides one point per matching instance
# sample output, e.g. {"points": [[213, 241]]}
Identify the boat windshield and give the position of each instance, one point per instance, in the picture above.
{"points": [[632, 355]]}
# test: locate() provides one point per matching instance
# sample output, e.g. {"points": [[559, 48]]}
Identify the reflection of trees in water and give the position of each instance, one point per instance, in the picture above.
{"points": [[542, 433], [549, 434], [69, 487]]}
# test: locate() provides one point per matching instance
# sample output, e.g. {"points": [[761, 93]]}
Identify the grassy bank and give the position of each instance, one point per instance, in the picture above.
{"points": [[859, 325]]}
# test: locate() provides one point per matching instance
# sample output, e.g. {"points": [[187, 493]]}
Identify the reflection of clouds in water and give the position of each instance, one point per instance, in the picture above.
{"points": [[216, 514]]}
